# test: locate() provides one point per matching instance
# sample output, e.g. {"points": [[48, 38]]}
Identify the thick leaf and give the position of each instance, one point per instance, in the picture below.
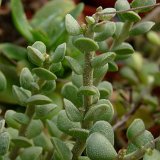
{"points": [[106, 14], [105, 129], [4, 143], [98, 147], [34, 129], [44, 74], [31, 153], [75, 66], [13, 51], [48, 87], [154, 38], [21, 118], [109, 30], [87, 90], [129, 74], [103, 59], [10, 121], [2, 124], [105, 89], [59, 53], [140, 3], [72, 112], [102, 110], [72, 26], [38, 100], [131, 16], [20, 19], [45, 111], [43, 141], [35, 56], [3, 82], [62, 150], [21, 94], [55, 67], [26, 78], [69, 91], [77, 80], [79, 133], [21, 142], [86, 45], [40, 46], [141, 28], [64, 124]]}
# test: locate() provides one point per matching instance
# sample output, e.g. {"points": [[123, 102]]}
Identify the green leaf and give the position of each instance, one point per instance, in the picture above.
{"points": [[44, 74], [87, 90], [136, 127], [75, 66], [99, 73], [105, 129], [3, 82], [59, 53], [121, 5], [119, 27], [53, 129], [98, 147], [64, 124], [77, 80], [113, 67], [131, 16], [103, 46], [26, 78], [72, 112], [21, 94], [48, 87], [40, 46], [86, 44], [31, 153], [69, 91], [129, 74], [152, 155], [106, 14], [10, 121], [35, 56], [96, 111], [55, 67], [72, 26], [62, 150], [43, 141], [99, 27], [141, 28], [20, 19], [34, 129], [102, 110], [45, 111], [103, 59], [21, 142], [21, 118], [79, 133], [4, 143], [109, 30], [154, 38], [38, 99], [139, 3], [2, 124], [123, 49], [13, 51], [105, 89]]}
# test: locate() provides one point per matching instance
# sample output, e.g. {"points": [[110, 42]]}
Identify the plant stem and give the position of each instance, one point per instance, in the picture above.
{"points": [[87, 102]]}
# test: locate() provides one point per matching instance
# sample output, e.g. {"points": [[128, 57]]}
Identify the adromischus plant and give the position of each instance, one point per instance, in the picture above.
{"points": [[37, 133]]}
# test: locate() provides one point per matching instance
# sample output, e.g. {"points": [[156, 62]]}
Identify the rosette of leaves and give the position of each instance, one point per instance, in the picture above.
{"points": [[88, 111]]}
